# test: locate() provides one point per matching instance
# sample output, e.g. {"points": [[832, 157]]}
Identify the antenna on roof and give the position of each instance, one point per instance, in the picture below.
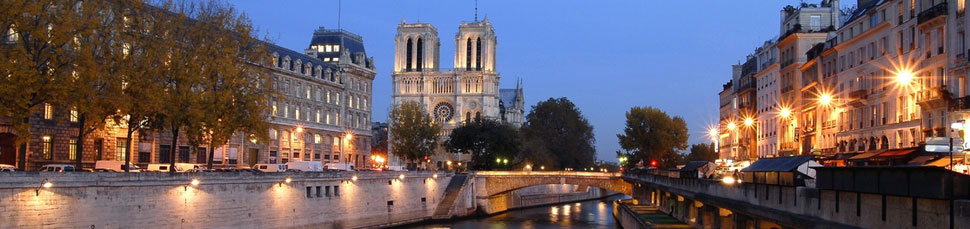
{"points": [[476, 10], [338, 13]]}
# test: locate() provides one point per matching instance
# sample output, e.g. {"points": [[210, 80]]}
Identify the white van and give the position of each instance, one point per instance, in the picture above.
{"points": [[57, 168], [7, 168], [114, 166], [339, 166], [160, 168], [271, 168], [396, 168], [304, 166]]}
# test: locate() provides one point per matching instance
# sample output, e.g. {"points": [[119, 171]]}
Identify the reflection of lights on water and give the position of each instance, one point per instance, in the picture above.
{"points": [[566, 209], [578, 204], [554, 211]]}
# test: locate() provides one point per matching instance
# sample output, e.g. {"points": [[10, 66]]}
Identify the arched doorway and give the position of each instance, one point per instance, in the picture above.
{"points": [[8, 149]]}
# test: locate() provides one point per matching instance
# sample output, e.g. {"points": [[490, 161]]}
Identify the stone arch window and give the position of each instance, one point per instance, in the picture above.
{"points": [[308, 69], [478, 115], [318, 71], [872, 143], [468, 54], [297, 66], [407, 65], [884, 143], [420, 50], [478, 55], [468, 116]]}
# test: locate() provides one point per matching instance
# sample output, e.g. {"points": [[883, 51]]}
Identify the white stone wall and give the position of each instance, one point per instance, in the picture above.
{"points": [[222, 200]]}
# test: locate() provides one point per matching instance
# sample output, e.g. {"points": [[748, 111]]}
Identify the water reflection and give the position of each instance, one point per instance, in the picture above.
{"points": [[586, 214]]}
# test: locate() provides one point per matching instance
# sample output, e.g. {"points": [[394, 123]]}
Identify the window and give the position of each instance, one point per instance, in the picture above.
{"points": [[165, 154], [420, 60], [48, 111], [121, 149], [873, 20], [317, 139], [318, 192], [478, 55], [74, 115], [72, 149], [327, 191], [275, 109], [308, 192], [47, 147], [200, 155], [183, 154], [144, 152], [336, 190], [318, 116], [816, 22], [273, 134]]}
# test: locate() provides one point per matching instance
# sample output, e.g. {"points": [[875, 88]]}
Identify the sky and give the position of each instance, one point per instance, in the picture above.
{"points": [[604, 56]]}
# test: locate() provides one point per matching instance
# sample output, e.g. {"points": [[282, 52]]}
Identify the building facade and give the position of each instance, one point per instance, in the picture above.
{"points": [[323, 114], [453, 96]]}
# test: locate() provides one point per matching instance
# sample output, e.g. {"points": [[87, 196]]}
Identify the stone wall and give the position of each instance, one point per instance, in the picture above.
{"points": [[221, 200], [796, 206]]}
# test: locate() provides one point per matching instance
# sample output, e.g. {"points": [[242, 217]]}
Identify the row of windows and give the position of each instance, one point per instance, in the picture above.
{"points": [[326, 48]]}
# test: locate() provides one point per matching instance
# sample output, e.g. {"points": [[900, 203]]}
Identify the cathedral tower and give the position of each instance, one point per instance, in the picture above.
{"points": [[475, 46], [416, 48]]}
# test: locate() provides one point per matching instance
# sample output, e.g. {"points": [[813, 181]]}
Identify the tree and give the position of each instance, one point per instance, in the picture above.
{"points": [[232, 78], [486, 140], [702, 152], [39, 57], [413, 132], [650, 134], [556, 134]]}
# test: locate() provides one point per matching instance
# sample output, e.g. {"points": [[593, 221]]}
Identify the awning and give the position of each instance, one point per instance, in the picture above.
{"points": [[866, 155], [944, 161], [898, 152], [921, 160]]}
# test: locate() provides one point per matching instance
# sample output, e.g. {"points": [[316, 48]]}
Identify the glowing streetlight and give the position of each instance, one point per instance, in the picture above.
{"points": [[748, 122], [299, 129], [785, 112], [904, 77], [354, 178], [731, 126], [349, 136], [825, 99], [400, 177], [47, 183], [195, 182], [287, 180]]}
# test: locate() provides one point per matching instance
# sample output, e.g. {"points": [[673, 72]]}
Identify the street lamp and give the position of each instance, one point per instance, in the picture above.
{"points": [[748, 122], [904, 77], [731, 126], [825, 99], [785, 112]]}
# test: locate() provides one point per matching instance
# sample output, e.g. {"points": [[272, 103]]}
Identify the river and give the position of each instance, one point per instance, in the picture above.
{"points": [[585, 214]]}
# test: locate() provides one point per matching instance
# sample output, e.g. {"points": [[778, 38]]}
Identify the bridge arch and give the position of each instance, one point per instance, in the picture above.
{"points": [[500, 182]]}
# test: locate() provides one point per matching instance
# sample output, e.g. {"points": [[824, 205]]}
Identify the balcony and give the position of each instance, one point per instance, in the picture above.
{"points": [[932, 97], [932, 13], [858, 98], [960, 104]]}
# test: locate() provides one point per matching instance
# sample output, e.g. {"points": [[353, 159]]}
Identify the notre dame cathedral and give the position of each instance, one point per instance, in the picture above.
{"points": [[453, 96]]}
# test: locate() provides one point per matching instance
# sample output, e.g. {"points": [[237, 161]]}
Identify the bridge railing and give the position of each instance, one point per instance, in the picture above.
{"points": [[548, 173]]}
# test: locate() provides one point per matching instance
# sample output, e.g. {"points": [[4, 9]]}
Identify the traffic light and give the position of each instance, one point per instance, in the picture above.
{"points": [[653, 163]]}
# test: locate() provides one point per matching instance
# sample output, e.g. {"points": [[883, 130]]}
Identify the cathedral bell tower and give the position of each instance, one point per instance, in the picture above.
{"points": [[475, 46], [416, 47]]}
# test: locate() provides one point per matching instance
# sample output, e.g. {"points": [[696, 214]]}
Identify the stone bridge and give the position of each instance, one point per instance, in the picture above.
{"points": [[490, 183], [490, 189]]}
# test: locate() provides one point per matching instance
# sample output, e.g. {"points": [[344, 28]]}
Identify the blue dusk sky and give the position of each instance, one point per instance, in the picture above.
{"points": [[605, 56]]}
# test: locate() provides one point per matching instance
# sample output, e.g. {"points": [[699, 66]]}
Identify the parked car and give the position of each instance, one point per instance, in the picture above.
{"points": [[7, 168], [339, 166], [304, 166], [114, 166], [57, 168], [271, 168]]}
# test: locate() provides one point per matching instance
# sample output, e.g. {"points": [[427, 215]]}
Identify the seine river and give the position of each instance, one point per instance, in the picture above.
{"points": [[586, 214]]}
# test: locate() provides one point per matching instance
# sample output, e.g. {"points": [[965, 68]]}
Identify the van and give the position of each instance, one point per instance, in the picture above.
{"points": [[339, 166], [57, 168], [396, 168], [114, 166], [160, 168], [304, 166], [271, 168]]}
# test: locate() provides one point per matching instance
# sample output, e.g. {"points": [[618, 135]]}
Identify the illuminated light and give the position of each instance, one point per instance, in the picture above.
{"points": [[785, 112], [349, 136], [448, 162], [505, 161], [904, 77], [299, 129], [542, 167], [825, 99], [434, 176], [712, 132], [287, 180], [354, 178], [728, 180], [748, 122], [498, 160], [401, 177], [731, 126], [956, 126], [528, 166], [195, 182], [47, 183]]}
